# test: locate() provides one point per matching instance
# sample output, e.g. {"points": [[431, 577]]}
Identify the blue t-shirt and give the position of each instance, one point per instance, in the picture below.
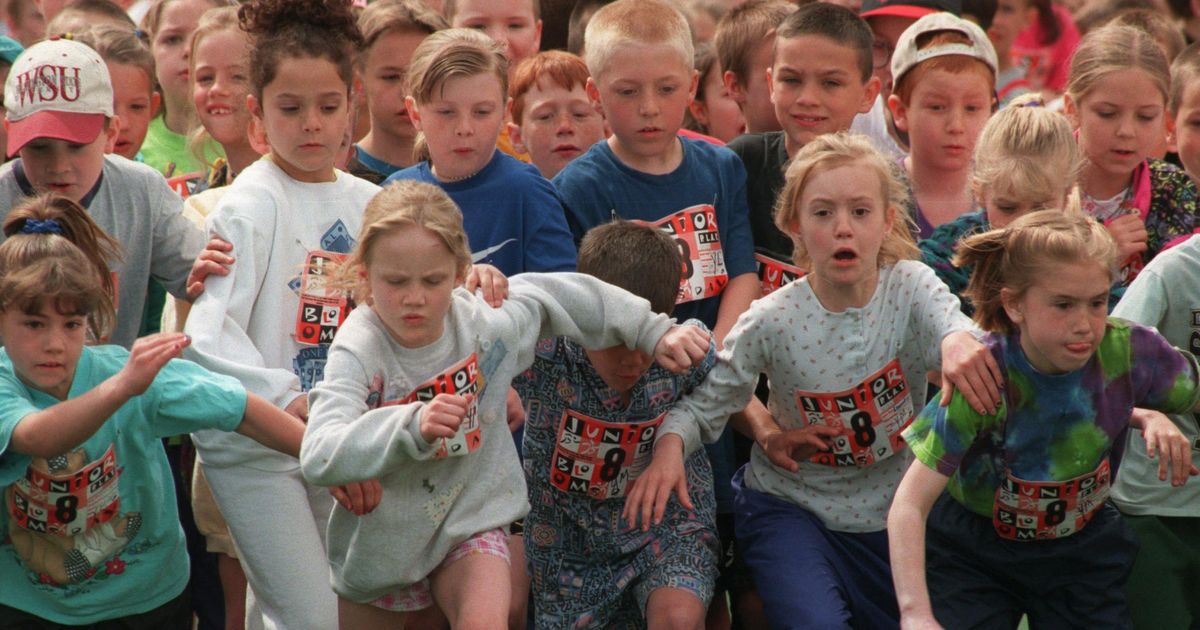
{"points": [[597, 188], [512, 215], [111, 498]]}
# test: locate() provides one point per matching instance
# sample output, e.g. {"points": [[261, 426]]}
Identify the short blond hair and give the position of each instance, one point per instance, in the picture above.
{"points": [[626, 22], [832, 150], [1026, 149], [403, 204]]}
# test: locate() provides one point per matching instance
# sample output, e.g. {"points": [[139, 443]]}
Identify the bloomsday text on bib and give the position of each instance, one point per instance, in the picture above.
{"points": [[460, 379], [600, 459], [1045, 510], [695, 230], [871, 416]]}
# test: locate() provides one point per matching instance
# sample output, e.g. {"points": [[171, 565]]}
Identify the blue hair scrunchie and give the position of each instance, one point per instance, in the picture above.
{"points": [[36, 226]]}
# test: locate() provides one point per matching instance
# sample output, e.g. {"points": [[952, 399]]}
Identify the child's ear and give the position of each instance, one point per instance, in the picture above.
{"points": [[734, 87], [593, 93], [1172, 141], [155, 103], [699, 111], [889, 219], [695, 85], [514, 134], [899, 112], [414, 114], [1071, 109], [870, 93], [1012, 306], [111, 132], [254, 106]]}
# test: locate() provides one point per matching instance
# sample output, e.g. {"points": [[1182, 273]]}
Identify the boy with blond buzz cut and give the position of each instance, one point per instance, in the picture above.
{"points": [[640, 55], [745, 43], [819, 79], [1183, 107], [944, 69]]}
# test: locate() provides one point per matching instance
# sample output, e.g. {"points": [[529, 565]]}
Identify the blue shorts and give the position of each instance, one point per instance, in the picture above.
{"points": [[807, 575], [979, 580]]}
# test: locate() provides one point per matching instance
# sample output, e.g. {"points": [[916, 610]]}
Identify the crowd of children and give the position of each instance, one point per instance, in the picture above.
{"points": [[740, 314]]}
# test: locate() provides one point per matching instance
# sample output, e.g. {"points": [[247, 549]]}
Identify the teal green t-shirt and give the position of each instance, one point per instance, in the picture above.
{"points": [[111, 499]]}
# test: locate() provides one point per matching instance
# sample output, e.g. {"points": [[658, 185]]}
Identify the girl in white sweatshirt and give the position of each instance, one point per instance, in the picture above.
{"points": [[414, 395], [269, 322]]}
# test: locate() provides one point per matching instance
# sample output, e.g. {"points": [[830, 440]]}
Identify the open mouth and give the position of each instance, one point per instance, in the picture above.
{"points": [[808, 119], [845, 255], [219, 110]]}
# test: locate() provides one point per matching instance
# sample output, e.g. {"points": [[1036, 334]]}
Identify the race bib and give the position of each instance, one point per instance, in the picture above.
{"points": [[600, 459], [871, 416], [70, 503], [322, 307], [1045, 510], [774, 273], [695, 230], [461, 379]]}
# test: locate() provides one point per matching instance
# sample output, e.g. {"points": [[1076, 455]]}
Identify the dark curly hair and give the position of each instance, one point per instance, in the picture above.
{"points": [[282, 29]]}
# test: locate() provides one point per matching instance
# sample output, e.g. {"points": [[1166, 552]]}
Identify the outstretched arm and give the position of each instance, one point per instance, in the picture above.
{"points": [[906, 537], [61, 427]]}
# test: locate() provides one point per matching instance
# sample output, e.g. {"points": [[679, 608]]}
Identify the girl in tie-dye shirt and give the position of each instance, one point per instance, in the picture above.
{"points": [[1024, 527]]}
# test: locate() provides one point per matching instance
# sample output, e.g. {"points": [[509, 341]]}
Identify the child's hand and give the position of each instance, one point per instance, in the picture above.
{"points": [[787, 448], [146, 359], [651, 490], [1163, 436], [360, 497], [968, 366], [515, 410], [213, 261], [681, 347], [491, 280], [441, 416], [299, 407], [1130, 234]]}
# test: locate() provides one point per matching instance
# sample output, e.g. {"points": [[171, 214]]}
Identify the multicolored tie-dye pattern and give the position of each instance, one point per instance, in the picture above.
{"points": [[1052, 428]]}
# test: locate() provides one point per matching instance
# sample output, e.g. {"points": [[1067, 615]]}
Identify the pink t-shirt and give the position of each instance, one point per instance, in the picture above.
{"points": [[1047, 65]]}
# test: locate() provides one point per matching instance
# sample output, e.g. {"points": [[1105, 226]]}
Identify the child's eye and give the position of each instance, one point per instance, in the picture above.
{"points": [[330, 109], [667, 89], [832, 83], [1147, 117], [32, 323], [74, 324], [1106, 114], [862, 212]]}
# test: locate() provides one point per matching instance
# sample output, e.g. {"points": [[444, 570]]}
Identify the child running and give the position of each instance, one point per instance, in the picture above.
{"points": [[848, 347], [91, 533], [1116, 98], [592, 419], [289, 215], [415, 395], [1024, 526]]}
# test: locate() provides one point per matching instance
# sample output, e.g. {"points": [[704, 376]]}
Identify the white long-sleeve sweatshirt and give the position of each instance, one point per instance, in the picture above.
{"points": [[364, 422], [833, 368], [243, 324]]}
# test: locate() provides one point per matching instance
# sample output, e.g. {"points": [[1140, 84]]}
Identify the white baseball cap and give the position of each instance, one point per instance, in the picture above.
{"points": [[57, 89], [906, 56]]}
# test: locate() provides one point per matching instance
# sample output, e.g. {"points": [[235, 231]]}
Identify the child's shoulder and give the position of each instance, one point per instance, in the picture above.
{"points": [[758, 147], [1170, 182]]}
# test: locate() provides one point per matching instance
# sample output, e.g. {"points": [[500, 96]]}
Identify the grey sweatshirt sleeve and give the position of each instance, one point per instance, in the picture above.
{"points": [[589, 311], [177, 242], [703, 414], [346, 441]]}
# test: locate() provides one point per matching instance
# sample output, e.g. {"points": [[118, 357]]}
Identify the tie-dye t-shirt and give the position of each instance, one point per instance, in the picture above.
{"points": [[1052, 427]]}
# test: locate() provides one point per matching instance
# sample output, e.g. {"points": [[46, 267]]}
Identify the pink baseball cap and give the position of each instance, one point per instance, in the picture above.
{"points": [[57, 89]]}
